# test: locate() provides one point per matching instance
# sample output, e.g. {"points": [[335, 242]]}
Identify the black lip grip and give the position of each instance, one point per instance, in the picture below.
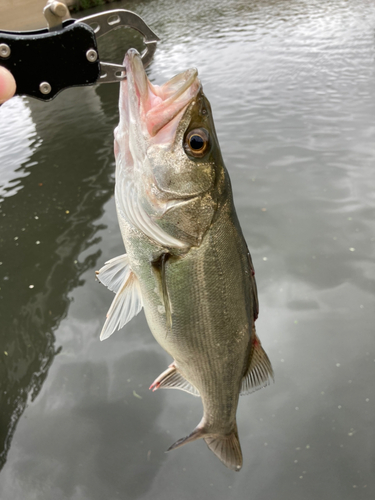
{"points": [[44, 62]]}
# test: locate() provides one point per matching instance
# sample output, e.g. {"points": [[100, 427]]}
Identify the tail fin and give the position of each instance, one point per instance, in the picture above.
{"points": [[197, 433], [226, 447]]}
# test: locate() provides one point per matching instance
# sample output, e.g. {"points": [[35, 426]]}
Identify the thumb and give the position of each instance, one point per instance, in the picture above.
{"points": [[7, 85]]}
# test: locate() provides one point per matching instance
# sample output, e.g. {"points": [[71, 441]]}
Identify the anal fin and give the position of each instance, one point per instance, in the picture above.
{"points": [[259, 372], [172, 379]]}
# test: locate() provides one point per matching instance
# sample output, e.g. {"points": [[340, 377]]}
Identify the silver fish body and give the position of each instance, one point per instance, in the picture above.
{"points": [[186, 262]]}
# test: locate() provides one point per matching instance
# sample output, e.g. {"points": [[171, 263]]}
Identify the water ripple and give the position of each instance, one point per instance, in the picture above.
{"points": [[18, 140]]}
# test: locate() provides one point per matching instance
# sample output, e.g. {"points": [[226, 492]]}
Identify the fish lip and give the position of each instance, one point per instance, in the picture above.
{"points": [[156, 106]]}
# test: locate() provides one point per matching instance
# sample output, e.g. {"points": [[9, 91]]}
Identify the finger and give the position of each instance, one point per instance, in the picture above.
{"points": [[7, 85]]}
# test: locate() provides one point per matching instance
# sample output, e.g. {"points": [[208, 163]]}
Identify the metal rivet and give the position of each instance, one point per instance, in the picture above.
{"points": [[4, 50], [45, 88], [92, 55]]}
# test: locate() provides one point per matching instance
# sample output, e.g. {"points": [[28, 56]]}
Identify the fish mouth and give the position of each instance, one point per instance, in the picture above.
{"points": [[156, 106]]}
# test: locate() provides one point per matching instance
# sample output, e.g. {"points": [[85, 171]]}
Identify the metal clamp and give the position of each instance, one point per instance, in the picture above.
{"points": [[105, 22]]}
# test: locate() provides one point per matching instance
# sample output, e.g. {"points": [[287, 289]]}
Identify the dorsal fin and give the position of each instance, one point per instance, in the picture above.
{"points": [[260, 370]]}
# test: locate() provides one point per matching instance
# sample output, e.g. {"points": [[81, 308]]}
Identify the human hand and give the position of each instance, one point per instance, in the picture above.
{"points": [[7, 85]]}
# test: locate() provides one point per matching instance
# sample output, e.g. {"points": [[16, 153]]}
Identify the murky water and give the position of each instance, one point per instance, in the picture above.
{"points": [[292, 86]]}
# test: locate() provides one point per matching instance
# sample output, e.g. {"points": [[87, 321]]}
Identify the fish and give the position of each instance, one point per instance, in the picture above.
{"points": [[187, 263]]}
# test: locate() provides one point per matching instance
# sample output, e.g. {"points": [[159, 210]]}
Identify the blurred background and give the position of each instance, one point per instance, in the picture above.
{"points": [[292, 87]]}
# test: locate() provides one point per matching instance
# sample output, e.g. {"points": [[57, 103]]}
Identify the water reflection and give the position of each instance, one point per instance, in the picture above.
{"points": [[109, 426], [46, 221], [17, 142]]}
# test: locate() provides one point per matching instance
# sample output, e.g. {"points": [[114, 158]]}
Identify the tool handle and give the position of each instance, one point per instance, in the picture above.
{"points": [[44, 62]]}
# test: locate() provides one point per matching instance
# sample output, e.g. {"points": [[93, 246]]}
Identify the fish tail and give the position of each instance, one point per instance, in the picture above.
{"points": [[227, 448], [197, 433]]}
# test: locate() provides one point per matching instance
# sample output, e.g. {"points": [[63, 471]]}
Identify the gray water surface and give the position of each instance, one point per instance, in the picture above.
{"points": [[292, 87]]}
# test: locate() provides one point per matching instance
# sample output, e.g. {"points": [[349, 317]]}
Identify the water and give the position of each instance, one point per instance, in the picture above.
{"points": [[292, 87]]}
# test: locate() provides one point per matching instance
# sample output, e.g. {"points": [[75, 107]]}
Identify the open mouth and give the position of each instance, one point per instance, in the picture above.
{"points": [[155, 105]]}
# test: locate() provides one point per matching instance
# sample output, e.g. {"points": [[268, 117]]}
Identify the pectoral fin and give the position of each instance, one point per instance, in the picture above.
{"points": [[260, 370], [172, 379], [114, 273], [126, 304], [159, 266]]}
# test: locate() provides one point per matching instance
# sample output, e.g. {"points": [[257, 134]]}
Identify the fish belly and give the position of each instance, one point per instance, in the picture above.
{"points": [[209, 294]]}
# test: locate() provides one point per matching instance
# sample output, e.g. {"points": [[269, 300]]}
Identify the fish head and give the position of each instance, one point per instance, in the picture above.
{"points": [[168, 160]]}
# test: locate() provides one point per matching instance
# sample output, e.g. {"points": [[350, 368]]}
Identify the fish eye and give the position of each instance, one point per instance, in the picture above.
{"points": [[196, 142]]}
